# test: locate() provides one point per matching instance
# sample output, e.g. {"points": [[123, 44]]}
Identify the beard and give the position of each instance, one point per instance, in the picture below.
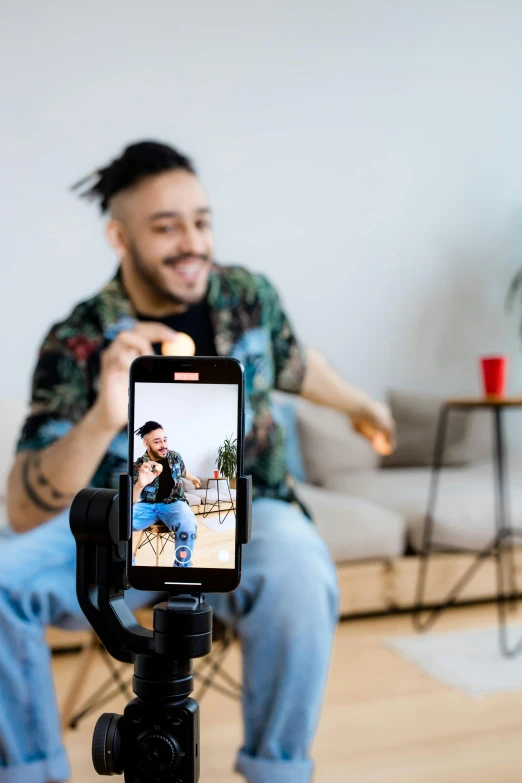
{"points": [[152, 278]]}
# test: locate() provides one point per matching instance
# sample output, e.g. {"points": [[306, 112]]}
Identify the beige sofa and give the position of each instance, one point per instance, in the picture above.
{"points": [[372, 517]]}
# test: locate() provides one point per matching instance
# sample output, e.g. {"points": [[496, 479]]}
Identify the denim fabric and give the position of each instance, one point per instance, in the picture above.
{"points": [[285, 612], [178, 517]]}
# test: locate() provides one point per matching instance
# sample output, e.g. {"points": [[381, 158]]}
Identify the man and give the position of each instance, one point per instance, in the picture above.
{"points": [[159, 494], [285, 609]]}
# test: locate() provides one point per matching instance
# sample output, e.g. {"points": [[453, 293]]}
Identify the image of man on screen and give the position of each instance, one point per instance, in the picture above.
{"points": [[159, 494]]}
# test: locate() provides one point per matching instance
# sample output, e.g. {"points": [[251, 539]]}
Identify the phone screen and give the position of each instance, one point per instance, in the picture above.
{"points": [[184, 459]]}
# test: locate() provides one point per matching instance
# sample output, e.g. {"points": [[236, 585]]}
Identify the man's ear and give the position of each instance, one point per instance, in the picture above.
{"points": [[117, 237]]}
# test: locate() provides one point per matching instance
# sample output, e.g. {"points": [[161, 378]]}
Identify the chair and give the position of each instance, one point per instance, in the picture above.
{"points": [[157, 536]]}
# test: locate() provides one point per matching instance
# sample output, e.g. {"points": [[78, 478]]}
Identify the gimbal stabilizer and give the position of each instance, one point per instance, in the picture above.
{"points": [[156, 740]]}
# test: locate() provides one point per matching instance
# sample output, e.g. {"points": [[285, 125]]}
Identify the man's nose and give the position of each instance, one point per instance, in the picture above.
{"points": [[191, 241]]}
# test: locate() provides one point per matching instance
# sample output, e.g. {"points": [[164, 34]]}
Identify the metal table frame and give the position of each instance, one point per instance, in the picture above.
{"points": [[501, 547], [219, 501]]}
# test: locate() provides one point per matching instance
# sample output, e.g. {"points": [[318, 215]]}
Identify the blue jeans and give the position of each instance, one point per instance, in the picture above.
{"points": [[285, 612], [178, 517]]}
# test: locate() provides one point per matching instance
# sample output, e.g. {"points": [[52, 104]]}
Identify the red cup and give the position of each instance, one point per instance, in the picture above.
{"points": [[216, 474], [494, 372]]}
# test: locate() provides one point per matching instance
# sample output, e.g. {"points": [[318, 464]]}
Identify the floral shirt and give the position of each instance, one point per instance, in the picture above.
{"points": [[249, 324], [177, 467]]}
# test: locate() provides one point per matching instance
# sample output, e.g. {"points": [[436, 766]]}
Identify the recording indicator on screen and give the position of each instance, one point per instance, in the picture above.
{"points": [[183, 555]]}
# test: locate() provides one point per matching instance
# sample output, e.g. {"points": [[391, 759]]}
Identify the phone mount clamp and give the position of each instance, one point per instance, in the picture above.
{"points": [[156, 740]]}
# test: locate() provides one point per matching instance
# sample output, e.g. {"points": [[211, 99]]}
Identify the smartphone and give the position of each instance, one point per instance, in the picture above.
{"points": [[189, 498]]}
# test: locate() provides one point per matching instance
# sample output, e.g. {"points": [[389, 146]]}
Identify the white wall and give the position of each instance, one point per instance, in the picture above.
{"points": [[366, 154], [196, 419]]}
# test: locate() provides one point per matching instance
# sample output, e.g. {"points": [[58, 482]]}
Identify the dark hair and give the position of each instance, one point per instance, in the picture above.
{"points": [[137, 161], [149, 426]]}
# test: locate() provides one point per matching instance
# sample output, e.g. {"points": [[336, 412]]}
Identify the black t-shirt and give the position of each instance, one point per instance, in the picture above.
{"points": [[166, 482], [195, 322]]}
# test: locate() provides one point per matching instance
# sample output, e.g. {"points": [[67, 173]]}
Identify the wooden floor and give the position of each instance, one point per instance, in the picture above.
{"points": [[208, 544], [383, 721]]}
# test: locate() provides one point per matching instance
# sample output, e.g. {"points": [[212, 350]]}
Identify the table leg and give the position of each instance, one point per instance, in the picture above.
{"points": [[205, 515], [418, 621], [232, 505], [423, 617], [504, 544]]}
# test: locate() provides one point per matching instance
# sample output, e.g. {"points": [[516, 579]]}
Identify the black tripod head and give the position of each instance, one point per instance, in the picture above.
{"points": [[157, 738]]}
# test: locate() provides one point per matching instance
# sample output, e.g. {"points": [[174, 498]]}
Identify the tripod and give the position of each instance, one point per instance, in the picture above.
{"points": [[156, 740], [158, 733]]}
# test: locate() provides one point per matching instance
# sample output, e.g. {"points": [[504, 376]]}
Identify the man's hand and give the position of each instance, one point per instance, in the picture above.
{"points": [[375, 422], [112, 403], [147, 472], [191, 477], [323, 385]]}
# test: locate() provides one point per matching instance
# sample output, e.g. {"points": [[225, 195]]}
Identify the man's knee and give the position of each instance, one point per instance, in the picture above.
{"points": [[143, 516], [48, 598], [37, 577], [185, 522], [24, 557], [14, 575], [19, 604]]}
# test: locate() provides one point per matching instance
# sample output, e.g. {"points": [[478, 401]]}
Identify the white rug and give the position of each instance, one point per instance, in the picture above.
{"points": [[470, 660], [212, 521]]}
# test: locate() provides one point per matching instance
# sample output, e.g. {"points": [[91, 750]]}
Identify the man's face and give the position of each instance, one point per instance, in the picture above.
{"points": [[156, 444], [168, 236]]}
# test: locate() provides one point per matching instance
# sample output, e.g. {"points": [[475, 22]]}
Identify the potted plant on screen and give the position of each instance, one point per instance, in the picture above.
{"points": [[226, 461]]}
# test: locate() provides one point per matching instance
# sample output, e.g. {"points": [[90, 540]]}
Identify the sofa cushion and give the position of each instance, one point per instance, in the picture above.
{"points": [[464, 513], [193, 500], [416, 416], [354, 528], [211, 495], [329, 444]]}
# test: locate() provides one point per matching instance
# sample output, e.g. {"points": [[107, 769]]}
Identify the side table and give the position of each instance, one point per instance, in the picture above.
{"points": [[501, 546], [217, 503]]}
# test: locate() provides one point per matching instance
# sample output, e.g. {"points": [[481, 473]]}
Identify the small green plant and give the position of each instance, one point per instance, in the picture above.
{"points": [[226, 461]]}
